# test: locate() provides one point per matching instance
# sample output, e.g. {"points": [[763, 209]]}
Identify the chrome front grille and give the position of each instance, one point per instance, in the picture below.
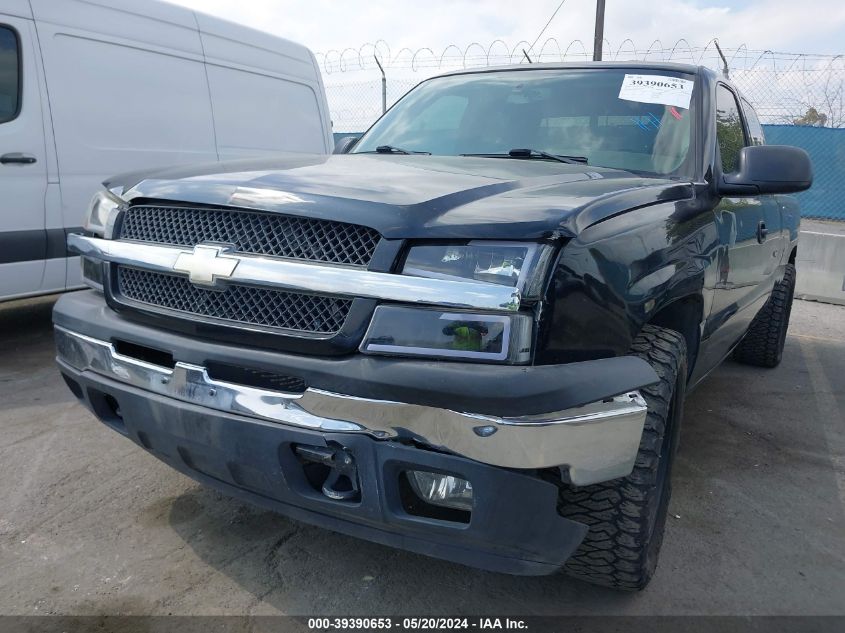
{"points": [[234, 305], [252, 232]]}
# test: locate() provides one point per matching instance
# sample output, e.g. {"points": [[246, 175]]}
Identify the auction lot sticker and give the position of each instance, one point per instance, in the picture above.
{"points": [[660, 89]]}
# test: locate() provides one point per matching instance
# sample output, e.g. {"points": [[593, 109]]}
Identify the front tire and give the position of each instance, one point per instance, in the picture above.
{"points": [[762, 345], [626, 516]]}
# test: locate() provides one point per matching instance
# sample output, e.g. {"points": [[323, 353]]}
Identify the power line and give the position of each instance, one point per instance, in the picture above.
{"points": [[540, 34]]}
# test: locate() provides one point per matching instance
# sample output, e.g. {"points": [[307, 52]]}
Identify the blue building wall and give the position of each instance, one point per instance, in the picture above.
{"points": [[826, 198]]}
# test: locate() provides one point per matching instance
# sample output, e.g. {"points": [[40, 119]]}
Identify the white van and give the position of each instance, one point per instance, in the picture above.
{"points": [[90, 88]]}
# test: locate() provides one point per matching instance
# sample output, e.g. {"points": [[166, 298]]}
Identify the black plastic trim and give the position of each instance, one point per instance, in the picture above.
{"points": [[35, 245], [22, 246]]}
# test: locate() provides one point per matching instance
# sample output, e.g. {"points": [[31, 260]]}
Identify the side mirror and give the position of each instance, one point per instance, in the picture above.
{"points": [[769, 169], [344, 144]]}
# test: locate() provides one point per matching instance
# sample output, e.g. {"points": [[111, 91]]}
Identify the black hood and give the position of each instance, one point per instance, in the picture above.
{"points": [[414, 196]]}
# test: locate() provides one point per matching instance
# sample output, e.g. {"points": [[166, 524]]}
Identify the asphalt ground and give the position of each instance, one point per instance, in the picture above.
{"points": [[90, 524]]}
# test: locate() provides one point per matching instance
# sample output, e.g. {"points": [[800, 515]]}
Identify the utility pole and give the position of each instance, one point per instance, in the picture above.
{"points": [[598, 41]]}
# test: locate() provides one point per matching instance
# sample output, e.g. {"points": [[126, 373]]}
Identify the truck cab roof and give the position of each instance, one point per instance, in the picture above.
{"points": [[692, 69]]}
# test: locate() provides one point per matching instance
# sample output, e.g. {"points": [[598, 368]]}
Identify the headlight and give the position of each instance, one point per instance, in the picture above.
{"points": [[515, 264], [101, 213], [99, 220], [405, 331], [433, 333]]}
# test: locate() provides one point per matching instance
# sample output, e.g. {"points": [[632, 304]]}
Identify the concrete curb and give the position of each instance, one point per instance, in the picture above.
{"points": [[821, 266]]}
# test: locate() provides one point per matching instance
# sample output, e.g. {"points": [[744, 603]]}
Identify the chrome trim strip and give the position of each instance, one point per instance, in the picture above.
{"points": [[596, 442], [283, 274]]}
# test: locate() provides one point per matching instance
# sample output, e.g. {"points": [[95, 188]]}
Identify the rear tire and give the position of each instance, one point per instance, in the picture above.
{"points": [[762, 345], [626, 516]]}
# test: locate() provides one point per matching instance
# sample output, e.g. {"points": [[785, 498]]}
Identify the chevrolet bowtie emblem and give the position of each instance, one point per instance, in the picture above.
{"points": [[207, 264]]}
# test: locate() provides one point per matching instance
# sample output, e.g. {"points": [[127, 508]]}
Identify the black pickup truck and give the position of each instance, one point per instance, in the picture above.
{"points": [[468, 333]]}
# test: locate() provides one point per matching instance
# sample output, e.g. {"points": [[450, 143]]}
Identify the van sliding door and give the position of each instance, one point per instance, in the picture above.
{"points": [[24, 243]]}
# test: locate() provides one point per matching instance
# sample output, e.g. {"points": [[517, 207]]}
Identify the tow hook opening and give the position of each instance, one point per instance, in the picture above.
{"points": [[331, 470], [107, 409]]}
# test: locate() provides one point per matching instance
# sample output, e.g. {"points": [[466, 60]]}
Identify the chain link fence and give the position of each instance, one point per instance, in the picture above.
{"points": [[800, 98]]}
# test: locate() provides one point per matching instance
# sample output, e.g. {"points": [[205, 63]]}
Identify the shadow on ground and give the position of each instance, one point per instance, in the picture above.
{"points": [[297, 568], [24, 323]]}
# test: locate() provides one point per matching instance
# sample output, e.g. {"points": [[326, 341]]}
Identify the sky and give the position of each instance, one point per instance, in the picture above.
{"points": [[811, 26]]}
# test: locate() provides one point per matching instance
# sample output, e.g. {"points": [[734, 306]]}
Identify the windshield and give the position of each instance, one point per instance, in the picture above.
{"points": [[636, 120]]}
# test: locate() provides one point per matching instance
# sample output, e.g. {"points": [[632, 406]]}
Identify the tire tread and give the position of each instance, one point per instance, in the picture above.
{"points": [[620, 513], [762, 345]]}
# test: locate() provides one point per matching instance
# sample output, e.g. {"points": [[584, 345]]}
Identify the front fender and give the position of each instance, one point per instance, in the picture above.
{"points": [[614, 276]]}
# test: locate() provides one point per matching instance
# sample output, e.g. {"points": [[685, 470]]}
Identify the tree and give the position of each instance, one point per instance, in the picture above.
{"points": [[812, 117], [829, 108]]}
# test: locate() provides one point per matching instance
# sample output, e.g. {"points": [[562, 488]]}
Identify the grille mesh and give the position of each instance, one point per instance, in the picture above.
{"points": [[239, 305], [253, 232], [255, 377]]}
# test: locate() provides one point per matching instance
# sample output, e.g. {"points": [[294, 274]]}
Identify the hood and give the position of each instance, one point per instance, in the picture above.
{"points": [[416, 196]]}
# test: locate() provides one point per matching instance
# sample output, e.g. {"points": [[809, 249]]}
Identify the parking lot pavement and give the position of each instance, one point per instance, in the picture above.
{"points": [[91, 524]]}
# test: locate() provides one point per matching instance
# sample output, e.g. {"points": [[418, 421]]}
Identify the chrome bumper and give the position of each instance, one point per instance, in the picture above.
{"points": [[596, 442]]}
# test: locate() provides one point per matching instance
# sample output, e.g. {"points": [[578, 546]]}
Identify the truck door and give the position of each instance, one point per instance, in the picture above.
{"points": [[749, 227], [23, 165], [775, 238]]}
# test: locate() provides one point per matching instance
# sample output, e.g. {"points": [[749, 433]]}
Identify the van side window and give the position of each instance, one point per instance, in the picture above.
{"points": [[755, 130], [10, 79], [729, 130]]}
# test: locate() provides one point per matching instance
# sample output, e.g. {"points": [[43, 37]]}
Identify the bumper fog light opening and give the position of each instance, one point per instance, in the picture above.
{"points": [[446, 491]]}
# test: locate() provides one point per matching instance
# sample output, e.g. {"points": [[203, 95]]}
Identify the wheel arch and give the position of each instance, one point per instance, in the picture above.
{"points": [[683, 315]]}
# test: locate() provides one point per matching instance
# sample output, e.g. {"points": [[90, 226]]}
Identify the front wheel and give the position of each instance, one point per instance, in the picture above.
{"points": [[626, 516]]}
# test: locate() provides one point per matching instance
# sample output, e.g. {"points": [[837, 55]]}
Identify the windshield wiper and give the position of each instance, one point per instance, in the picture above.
{"points": [[536, 153], [530, 153], [391, 149]]}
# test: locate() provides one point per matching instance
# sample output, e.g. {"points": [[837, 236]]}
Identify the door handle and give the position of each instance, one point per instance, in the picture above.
{"points": [[762, 232], [17, 157]]}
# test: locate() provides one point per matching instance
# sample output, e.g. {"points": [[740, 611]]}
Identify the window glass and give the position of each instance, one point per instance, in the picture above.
{"points": [[728, 129], [9, 75], [568, 112], [444, 114], [755, 130]]}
